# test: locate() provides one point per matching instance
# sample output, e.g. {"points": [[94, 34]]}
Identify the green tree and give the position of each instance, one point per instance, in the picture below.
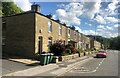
{"points": [[0, 11], [9, 8], [0, 8], [115, 43]]}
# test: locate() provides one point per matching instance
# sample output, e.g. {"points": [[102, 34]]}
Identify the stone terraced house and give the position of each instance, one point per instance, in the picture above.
{"points": [[32, 33]]}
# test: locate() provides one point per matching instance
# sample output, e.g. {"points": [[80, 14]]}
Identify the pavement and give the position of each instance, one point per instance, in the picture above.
{"points": [[19, 59], [25, 61], [53, 69]]}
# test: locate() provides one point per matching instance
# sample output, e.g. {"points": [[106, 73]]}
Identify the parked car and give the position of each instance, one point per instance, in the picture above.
{"points": [[102, 54]]}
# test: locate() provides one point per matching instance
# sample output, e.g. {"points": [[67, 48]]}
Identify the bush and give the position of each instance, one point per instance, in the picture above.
{"points": [[57, 49], [80, 51], [73, 50]]}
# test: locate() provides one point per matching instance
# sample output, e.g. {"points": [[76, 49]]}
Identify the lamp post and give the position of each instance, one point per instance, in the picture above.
{"points": [[95, 38], [95, 32]]}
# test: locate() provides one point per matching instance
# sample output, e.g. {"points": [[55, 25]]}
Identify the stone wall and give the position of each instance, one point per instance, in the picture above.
{"points": [[20, 35]]}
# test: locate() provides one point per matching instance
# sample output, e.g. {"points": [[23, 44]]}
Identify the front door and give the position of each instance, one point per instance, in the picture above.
{"points": [[40, 45]]}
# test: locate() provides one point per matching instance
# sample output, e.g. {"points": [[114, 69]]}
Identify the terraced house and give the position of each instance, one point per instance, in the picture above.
{"points": [[32, 33]]}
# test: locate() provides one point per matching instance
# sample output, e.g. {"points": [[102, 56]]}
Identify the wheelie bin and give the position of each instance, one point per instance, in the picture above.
{"points": [[43, 59]]}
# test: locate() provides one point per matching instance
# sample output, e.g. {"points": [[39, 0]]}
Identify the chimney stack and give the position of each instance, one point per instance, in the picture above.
{"points": [[35, 7]]}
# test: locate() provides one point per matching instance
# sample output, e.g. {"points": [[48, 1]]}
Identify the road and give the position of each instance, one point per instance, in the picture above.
{"points": [[11, 66], [97, 66], [91, 67]]}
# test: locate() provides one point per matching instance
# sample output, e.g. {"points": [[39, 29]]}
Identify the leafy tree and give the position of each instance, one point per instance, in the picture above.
{"points": [[9, 8], [115, 43], [0, 11]]}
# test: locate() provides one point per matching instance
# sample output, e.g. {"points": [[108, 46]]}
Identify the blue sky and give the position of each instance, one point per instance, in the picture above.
{"points": [[85, 16]]}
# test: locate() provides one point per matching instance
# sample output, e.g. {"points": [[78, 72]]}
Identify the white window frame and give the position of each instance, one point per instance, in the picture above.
{"points": [[69, 32], [49, 41], [49, 26], [60, 29]]}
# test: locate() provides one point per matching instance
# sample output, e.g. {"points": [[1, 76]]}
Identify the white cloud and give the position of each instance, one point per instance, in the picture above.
{"points": [[109, 28], [25, 5], [90, 24], [112, 6], [70, 14], [107, 31], [100, 19], [116, 26], [73, 12], [91, 8], [61, 13], [111, 19], [101, 27], [78, 28], [88, 32]]}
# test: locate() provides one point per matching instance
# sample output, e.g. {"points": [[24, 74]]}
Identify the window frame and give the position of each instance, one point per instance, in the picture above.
{"points": [[69, 32], [49, 41], [49, 26], [60, 29]]}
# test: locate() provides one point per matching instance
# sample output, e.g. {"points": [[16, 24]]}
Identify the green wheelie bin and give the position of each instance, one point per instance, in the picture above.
{"points": [[43, 59], [51, 57], [48, 58]]}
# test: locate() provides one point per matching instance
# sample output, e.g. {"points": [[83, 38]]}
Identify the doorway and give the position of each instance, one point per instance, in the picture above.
{"points": [[40, 45]]}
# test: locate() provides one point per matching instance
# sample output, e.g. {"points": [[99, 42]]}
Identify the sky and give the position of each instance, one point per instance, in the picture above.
{"points": [[90, 18]]}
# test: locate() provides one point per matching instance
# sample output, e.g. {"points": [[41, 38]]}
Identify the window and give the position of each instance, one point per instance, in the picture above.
{"points": [[60, 30], [3, 32], [3, 41], [49, 41], [64, 42], [49, 26], [68, 32], [79, 36], [3, 25], [75, 35]]}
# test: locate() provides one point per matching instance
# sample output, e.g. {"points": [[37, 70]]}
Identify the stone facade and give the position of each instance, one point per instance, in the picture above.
{"points": [[95, 45], [19, 37], [85, 42], [41, 30], [32, 33]]}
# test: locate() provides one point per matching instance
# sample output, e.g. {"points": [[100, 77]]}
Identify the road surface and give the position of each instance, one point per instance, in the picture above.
{"points": [[11, 66], [97, 66]]}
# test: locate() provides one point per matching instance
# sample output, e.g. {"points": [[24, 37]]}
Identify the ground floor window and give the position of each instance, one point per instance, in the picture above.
{"points": [[49, 41]]}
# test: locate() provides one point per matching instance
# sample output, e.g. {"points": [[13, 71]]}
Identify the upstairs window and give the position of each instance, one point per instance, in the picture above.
{"points": [[49, 26], [68, 32], [79, 36], [60, 30], [75, 35]]}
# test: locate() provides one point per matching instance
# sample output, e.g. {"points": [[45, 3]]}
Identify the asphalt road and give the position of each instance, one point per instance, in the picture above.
{"points": [[11, 66], [97, 66]]}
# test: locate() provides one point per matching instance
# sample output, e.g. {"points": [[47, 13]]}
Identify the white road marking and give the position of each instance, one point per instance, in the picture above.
{"points": [[88, 71]]}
